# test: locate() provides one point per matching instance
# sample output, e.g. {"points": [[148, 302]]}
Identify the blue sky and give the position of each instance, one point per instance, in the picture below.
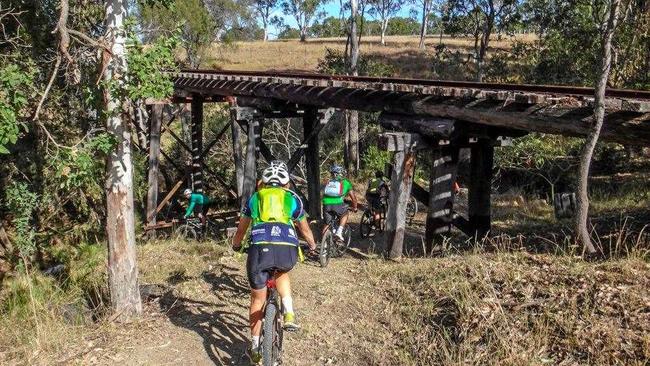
{"points": [[332, 8]]}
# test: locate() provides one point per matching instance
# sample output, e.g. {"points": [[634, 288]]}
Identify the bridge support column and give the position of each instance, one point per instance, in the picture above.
{"points": [[402, 144], [197, 143], [480, 187], [237, 155], [250, 166], [154, 160], [440, 217], [312, 162]]}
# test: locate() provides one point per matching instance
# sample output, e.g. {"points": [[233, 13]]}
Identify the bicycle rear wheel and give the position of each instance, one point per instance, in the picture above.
{"points": [[365, 226], [271, 336], [411, 208], [325, 247]]}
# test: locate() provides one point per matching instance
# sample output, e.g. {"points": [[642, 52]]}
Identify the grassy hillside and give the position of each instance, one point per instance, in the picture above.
{"points": [[400, 51]]}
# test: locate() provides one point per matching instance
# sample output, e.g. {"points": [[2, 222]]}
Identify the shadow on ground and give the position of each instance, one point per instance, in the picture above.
{"points": [[223, 331]]}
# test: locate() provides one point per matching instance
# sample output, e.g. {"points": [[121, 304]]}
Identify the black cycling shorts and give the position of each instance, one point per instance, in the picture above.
{"points": [[331, 212], [263, 259]]}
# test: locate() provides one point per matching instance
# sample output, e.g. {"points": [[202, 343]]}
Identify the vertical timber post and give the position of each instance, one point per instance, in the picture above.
{"points": [[235, 130], [312, 162], [480, 187], [441, 196], [197, 143], [250, 167], [154, 159], [401, 183]]}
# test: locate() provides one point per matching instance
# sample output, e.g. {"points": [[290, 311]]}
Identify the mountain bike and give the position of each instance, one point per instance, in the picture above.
{"points": [[192, 229], [272, 330], [329, 245], [368, 221], [411, 209]]}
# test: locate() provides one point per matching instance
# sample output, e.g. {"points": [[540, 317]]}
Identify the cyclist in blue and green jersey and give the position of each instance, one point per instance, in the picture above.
{"points": [[275, 213], [334, 193]]}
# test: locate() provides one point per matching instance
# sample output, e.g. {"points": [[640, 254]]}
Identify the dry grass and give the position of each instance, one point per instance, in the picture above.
{"points": [[516, 308], [400, 51], [48, 321]]}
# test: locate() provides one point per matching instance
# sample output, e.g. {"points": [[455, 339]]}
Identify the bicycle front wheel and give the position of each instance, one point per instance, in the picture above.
{"points": [[271, 336], [186, 232]]}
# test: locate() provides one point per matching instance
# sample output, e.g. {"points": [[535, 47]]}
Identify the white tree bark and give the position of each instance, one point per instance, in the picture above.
{"points": [[120, 227], [384, 25]]}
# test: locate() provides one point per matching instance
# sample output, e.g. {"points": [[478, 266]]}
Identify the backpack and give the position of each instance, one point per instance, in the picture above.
{"points": [[272, 205], [334, 188], [375, 184]]}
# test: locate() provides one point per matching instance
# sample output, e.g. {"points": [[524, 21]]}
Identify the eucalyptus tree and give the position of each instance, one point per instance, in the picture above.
{"points": [[304, 12], [384, 10]]}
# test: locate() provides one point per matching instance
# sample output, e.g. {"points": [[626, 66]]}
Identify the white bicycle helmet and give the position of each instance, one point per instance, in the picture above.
{"points": [[187, 192], [337, 169], [276, 175], [280, 164]]}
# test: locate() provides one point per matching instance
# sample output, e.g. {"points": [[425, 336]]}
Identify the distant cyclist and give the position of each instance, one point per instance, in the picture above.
{"points": [[199, 204], [273, 211], [334, 193], [377, 193]]}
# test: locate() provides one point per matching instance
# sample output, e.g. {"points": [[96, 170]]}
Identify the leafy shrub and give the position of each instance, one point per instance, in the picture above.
{"points": [[13, 97], [334, 62], [21, 202]]}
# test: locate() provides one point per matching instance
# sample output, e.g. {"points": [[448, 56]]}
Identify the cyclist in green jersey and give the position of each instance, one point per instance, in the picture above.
{"points": [[199, 204], [275, 213], [334, 193]]}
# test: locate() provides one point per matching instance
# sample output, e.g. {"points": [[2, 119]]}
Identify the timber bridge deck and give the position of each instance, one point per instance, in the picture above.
{"points": [[438, 117]]}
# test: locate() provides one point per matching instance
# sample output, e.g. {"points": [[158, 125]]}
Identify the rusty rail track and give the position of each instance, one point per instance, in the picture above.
{"points": [[529, 88]]}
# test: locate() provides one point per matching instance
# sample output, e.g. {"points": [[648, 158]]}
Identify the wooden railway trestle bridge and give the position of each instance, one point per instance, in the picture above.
{"points": [[440, 117]]}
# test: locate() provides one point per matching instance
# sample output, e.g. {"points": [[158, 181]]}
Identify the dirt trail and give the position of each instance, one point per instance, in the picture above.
{"points": [[211, 327]]}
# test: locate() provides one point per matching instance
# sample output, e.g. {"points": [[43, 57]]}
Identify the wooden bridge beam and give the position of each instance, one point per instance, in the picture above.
{"points": [[440, 217], [197, 143], [250, 164], [235, 131], [312, 161], [480, 187], [402, 144]]}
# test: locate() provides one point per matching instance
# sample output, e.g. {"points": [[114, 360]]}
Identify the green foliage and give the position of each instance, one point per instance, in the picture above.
{"points": [[146, 66], [375, 159], [197, 26], [289, 33], [334, 63], [78, 168], [21, 202], [14, 83], [549, 157]]}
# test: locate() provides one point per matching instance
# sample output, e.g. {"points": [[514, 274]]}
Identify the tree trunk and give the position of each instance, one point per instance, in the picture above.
{"points": [[582, 199], [266, 32], [354, 41], [303, 33], [384, 25], [120, 226], [154, 160], [351, 141], [352, 117], [423, 29]]}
